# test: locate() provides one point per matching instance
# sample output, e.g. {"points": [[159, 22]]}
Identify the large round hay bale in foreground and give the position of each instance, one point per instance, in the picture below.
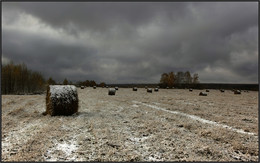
{"points": [[203, 94], [135, 89], [111, 91], [149, 90], [61, 100]]}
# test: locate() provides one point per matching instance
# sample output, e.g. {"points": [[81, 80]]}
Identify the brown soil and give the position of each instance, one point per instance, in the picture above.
{"points": [[127, 127]]}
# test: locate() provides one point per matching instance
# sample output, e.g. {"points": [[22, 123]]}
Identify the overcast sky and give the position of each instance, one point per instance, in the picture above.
{"points": [[133, 42]]}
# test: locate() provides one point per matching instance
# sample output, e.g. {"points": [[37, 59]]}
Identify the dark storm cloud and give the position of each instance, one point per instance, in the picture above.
{"points": [[134, 42]]}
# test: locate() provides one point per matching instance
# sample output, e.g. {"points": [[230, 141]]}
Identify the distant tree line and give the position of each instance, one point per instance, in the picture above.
{"points": [[90, 83], [170, 79], [18, 79]]}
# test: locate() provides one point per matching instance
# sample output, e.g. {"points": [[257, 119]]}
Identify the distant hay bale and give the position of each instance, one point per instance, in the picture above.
{"points": [[94, 87], [112, 91], [207, 90], [203, 94], [222, 90], [156, 89], [167, 87], [116, 88], [135, 89], [190, 90], [149, 90], [82, 87], [236, 92], [61, 100], [106, 86]]}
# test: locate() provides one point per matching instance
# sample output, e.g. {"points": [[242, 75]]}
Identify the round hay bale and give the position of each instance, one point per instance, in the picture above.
{"points": [[116, 88], [236, 92], [207, 90], [222, 90], [167, 87], [149, 90], [61, 100], [190, 90], [82, 87], [111, 91], [156, 89], [94, 87], [135, 89], [203, 94]]}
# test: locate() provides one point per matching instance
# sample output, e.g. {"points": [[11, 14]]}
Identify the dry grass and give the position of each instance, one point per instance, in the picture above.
{"points": [[114, 129]]}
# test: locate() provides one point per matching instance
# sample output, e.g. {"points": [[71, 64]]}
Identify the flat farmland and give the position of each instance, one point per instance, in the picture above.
{"points": [[169, 125]]}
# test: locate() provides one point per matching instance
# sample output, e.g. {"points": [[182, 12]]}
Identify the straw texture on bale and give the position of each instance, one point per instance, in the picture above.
{"points": [[156, 89], [135, 89], [149, 90], [203, 94], [112, 91], [61, 100]]}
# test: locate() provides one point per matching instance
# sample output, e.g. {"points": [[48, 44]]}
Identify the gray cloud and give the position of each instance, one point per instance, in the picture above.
{"points": [[134, 42]]}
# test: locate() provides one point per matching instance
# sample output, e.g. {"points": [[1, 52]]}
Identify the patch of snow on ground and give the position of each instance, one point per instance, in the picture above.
{"points": [[135, 105], [67, 148], [197, 118], [20, 135]]}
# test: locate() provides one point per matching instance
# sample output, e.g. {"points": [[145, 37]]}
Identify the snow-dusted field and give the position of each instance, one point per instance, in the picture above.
{"points": [[169, 125]]}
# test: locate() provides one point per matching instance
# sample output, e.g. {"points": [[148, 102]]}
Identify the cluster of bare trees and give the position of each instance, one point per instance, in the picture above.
{"points": [[170, 79], [17, 79]]}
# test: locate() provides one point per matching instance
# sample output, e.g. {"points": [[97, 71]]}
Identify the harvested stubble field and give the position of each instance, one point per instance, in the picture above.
{"points": [[169, 125]]}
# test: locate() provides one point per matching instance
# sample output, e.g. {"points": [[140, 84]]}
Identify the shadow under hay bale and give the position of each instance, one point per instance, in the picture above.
{"points": [[112, 91], [236, 92], [203, 94], [61, 100], [135, 89], [149, 90], [156, 89]]}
